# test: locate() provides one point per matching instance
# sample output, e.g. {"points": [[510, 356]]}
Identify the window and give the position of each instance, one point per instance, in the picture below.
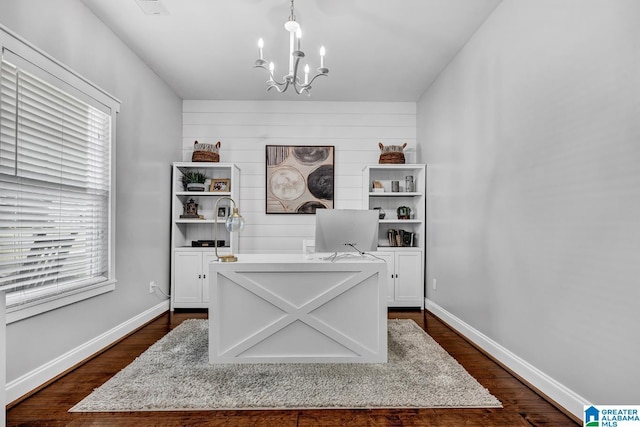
{"points": [[56, 192]]}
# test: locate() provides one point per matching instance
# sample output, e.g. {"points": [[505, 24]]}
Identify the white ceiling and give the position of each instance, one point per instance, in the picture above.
{"points": [[377, 50]]}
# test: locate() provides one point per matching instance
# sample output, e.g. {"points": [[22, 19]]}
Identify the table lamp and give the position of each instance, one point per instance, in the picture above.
{"points": [[234, 222]]}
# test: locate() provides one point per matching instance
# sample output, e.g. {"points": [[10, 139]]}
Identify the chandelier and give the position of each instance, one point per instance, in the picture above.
{"points": [[295, 55]]}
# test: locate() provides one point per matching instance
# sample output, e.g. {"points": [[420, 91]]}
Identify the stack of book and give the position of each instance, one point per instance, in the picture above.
{"points": [[400, 237]]}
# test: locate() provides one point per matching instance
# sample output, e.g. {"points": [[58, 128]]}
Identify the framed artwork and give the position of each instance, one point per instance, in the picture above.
{"points": [[220, 184], [299, 178], [223, 211]]}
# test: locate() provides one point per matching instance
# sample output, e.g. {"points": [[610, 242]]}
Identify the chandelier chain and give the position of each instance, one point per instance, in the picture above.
{"points": [[292, 17]]}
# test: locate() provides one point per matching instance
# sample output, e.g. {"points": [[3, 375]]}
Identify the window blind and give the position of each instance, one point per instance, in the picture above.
{"points": [[55, 189]]}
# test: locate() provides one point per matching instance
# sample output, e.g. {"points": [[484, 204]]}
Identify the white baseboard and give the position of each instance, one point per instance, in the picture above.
{"points": [[570, 401], [3, 360], [34, 379]]}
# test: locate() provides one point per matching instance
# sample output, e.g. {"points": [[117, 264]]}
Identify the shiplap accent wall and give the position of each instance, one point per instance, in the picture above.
{"points": [[246, 127]]}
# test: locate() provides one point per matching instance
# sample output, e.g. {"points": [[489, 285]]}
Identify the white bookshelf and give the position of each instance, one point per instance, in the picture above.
{"points": [[189, 263], [405, 264]]}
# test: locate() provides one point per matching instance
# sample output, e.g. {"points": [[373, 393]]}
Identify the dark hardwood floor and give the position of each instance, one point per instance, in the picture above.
{"points": [[522, 406]]}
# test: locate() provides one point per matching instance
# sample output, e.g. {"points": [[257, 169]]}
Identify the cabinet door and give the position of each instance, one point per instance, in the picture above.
{"points": [[409, 284], [207, 258], [188, 277], [389, 259]]}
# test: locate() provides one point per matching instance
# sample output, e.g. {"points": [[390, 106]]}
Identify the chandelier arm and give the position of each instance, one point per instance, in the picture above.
{"points": [[279, 89], [299, 91], [299, 55], [273, 80], [316, 76], [302, 88]]}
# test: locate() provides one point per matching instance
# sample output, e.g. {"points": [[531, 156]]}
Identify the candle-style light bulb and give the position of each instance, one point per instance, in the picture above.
{"points": [[322, 53], [306, 74], [260, 46], [272, 68]]}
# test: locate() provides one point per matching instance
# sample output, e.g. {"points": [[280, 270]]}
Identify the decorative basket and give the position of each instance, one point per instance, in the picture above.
{"points": [[391, 153], [205, 152], [393, 157]]}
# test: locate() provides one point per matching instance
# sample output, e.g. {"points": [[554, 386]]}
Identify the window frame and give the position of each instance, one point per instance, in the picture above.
{"points": [[44, 66]]}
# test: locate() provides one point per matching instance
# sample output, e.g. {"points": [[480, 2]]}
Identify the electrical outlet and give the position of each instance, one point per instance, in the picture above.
{"points": [[151, 286], [435, 285]]}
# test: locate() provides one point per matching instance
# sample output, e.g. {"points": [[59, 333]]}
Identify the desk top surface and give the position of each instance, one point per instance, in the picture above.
{"points": [[301, 259]]}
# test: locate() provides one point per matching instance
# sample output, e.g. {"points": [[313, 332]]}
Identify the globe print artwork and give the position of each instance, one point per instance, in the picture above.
{"points": [[300, 179], [311, 155], [287, 183], [320, 182]]}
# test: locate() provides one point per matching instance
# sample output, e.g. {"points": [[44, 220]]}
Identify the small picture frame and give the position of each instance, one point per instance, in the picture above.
{"points": [[223, 211], [220, 185]]}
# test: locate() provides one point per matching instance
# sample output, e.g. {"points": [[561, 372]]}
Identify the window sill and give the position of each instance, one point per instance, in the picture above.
{"points": [[25, 311]]}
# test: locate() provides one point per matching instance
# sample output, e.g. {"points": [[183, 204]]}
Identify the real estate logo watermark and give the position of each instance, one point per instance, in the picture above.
{"points": [[611, 416]]}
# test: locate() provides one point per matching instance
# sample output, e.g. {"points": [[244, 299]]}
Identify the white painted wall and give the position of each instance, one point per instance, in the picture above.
{"points": [[246, 127], [149, 124], [532, 136]]}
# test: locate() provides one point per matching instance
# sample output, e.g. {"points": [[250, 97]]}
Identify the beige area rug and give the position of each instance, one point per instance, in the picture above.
{"points": [[174, 374]]}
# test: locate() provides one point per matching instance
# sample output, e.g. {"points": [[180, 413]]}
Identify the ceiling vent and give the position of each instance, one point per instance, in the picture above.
{"points": [[152, 7]]}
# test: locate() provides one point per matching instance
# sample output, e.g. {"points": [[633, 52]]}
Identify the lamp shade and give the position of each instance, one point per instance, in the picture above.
{"points": [[235, 221]]}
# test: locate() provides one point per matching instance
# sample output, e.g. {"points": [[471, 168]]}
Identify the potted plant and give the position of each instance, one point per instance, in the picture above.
{"points": [[194, 181]]}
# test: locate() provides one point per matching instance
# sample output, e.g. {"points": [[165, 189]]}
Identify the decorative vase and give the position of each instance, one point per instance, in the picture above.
{"points": [[195, 186]]}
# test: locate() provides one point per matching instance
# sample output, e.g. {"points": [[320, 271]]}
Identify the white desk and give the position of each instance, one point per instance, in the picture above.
{"points": [[284, 308]]}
